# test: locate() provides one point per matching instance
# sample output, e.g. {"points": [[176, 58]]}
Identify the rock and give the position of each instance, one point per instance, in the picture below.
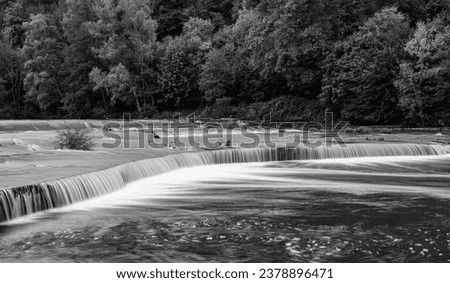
{"points": [[34, 147], [18, 142]]}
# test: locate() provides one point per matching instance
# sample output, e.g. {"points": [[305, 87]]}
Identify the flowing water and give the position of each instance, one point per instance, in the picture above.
{"points": [[358, 204]]}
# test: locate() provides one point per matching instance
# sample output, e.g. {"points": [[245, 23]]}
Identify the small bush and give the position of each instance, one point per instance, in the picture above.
{"points": [[74, 139], [363, 130], [386, 131], [349, 130]]}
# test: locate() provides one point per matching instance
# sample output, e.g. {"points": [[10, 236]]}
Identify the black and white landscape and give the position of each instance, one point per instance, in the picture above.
{"points": [[242, 131]]}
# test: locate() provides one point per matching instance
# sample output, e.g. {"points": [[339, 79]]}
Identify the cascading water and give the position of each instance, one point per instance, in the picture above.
{"points": [[21, 201]]}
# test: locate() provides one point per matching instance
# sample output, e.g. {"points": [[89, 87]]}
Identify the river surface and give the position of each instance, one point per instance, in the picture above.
{"points": [[392, 209]]}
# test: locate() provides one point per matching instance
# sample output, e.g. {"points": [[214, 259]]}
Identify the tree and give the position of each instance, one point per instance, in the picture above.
{"points": [[424, 10], [99, 58], [218, 78], [228, 72], [79, 59], [170, 15], [297, 55], [117, 84], [127, 36], [182, 62], [219, 13], [360, 73], [15, 16], [10, 81], [43, 58], [424, 81]]}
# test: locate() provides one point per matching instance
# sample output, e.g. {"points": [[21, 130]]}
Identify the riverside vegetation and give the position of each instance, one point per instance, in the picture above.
{"points": [[384, 62]]}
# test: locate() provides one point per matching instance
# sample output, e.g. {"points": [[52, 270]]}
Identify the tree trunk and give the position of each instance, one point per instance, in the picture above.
{"points": [[58, 103], [153, 100], [103, 98], [137, 103]]}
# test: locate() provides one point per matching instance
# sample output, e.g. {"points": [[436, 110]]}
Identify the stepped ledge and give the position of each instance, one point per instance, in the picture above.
{"points": [[27, 155]]}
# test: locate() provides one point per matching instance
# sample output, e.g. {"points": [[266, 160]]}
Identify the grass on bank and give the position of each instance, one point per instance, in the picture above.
{"points": [[76, 138]]}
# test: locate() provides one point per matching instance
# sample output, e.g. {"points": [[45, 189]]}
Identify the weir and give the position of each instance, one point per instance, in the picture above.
{"points": [[20, 201]]}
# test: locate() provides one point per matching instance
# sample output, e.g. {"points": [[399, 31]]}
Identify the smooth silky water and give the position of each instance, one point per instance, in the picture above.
{"points": [[364, 203]]}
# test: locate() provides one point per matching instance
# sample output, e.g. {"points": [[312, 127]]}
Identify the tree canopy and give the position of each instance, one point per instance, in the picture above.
{"points": [[368, 61]]}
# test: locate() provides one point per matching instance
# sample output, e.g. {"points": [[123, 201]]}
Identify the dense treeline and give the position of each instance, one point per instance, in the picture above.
{"points": [[368, 61]]}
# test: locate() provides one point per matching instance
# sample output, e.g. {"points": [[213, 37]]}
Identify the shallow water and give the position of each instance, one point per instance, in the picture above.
{"points": [[349, 210]]}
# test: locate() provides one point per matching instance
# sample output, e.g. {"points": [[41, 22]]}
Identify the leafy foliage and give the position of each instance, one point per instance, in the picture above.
{"points": [[74, 139], [15, 16], [79, 59], [43, 57], [285, 108], [126, 35], [369, 61], [424, 81], [360, 72], [181, 64]]}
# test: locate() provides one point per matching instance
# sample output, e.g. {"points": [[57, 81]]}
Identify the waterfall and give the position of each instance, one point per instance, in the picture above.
{"points": [[25, 200]]}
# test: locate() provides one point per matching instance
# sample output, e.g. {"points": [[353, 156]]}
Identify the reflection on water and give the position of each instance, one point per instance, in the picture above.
{"points": [[353, 210]]}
